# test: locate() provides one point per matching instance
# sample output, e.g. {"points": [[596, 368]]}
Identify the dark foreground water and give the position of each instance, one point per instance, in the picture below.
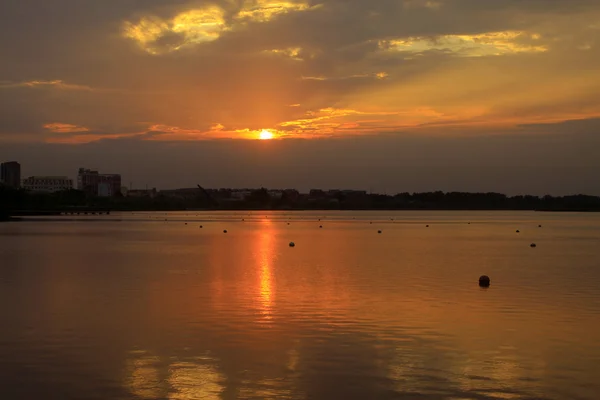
{"points": [[136, 307]]}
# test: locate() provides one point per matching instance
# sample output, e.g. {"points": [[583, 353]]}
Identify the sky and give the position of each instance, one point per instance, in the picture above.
{"points": [[382, 95]]}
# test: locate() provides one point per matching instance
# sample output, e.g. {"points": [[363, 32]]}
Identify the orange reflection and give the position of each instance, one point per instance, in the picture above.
{"points": [[195, 380], [265, 255], [142, 375]]}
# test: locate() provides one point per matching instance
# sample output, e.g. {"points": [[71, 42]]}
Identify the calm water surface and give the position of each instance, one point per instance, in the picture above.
{"points": [[131, 306]]}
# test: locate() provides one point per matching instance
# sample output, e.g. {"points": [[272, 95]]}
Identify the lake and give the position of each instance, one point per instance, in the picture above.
{"points": [[152, 306]]}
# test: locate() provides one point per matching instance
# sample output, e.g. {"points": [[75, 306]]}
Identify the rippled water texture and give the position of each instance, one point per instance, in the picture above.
{"points": [[130, 306]]}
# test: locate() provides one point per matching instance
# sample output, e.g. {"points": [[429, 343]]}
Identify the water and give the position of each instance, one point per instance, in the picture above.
{"points": [[130, 306]]}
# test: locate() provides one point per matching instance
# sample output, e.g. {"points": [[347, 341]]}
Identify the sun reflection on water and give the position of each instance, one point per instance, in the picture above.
{"points": [[265, 255]]}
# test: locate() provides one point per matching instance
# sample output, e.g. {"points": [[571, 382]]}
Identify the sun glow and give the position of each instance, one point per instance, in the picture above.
{"points": [[265, 135]]}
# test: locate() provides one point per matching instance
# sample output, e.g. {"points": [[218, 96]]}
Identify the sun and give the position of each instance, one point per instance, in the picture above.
{"points": [[265, 135]]}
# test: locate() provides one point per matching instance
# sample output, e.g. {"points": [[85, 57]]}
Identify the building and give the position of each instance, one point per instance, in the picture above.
{"points": [[275, 194], [10, 174], [182, 194], [95, 184], [151, 193], [239, 195], [47, 184]]}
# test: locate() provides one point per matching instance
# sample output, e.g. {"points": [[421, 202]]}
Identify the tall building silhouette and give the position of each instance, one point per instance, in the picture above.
{"points": [[10, 174], [96, 184]]}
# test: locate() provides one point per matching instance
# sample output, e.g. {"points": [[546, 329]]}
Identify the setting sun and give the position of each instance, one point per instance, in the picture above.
{"points": [[265, 135]]}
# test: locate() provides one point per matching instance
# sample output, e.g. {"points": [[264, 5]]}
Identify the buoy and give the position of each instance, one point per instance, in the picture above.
{"points": [[533, 245], [320, 226], [518, 231], [370, 223], [484, 281], [426, 226], [378, 231], [224, 230], [200, 226], [292, 244], [539, 226], [186, 223]]}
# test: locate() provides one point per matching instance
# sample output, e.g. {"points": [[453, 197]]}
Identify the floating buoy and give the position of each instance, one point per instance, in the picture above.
{"points": [[484, 281], [426, 226], [186, 223], [518, 231], [201, 226], [378, 231], [539, 226], [224, 230], [320, 226], [533, 245], [292, 244]]}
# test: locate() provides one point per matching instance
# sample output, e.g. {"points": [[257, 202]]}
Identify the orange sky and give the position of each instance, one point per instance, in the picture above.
{"points": [[198, 70], [160, 71]]}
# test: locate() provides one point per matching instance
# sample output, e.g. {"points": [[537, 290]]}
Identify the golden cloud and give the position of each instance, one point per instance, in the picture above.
{"points": [[84, 139], [216, 131], [291, 52], [331, 120], [377, 75], [58, 127], [265, 10], [431, 4], [58, 84], [159, 36], [484, 44]]}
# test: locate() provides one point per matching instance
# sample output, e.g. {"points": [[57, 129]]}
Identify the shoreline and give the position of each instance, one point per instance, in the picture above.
{"points": [[58, 216]]}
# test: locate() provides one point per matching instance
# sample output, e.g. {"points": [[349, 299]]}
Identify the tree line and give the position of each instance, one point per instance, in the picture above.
{"points": [[12, 200]]}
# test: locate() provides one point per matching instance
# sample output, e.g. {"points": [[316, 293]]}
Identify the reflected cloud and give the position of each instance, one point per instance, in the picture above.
{"points": [[266, 389], [148, 378], [142, 375], [195, 380]]}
